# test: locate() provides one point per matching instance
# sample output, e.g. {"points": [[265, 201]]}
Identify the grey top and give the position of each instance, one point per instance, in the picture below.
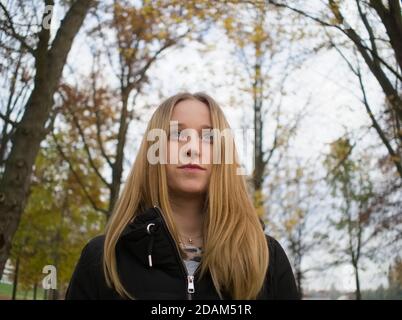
{"points": [[193, 257]]}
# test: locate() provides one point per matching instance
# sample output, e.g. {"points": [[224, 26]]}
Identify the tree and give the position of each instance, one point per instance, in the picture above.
{"points": [[395, 279], [291, 211], [49, 59], [260, 42], [348, 179], [380, 51], [57, 222]]}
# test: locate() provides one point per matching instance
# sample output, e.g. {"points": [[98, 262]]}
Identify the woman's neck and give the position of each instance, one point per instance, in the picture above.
{"points": [[188, 214]]}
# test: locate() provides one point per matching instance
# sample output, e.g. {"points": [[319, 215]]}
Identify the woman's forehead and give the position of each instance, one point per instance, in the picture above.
{"points": [[192, 114]]}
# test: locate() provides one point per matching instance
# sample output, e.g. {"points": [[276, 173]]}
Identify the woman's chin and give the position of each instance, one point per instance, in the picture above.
{"points": [[196, 190]]}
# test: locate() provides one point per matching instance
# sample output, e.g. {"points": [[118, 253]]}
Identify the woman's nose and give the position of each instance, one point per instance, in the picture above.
{"points": [[192, 152], [193, 148]]}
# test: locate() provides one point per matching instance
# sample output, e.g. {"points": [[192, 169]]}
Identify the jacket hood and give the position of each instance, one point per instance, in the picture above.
{"points": [[148, 239]]}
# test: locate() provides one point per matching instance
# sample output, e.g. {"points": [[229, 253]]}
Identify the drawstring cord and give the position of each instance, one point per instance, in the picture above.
{"points": [[151, 243]]}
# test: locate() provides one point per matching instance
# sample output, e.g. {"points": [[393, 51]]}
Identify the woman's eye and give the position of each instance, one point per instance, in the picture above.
{"points": [[208, 137], [175, 135]]}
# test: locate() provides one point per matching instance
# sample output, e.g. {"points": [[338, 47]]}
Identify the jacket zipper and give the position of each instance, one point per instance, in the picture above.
{"points": [[188, 279]]}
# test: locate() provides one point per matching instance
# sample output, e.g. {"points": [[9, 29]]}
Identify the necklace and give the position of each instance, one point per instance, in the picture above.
{"points": [[190, 239]]}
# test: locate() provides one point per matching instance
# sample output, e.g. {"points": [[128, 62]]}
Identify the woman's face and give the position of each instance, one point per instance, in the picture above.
{"points": [[189, 145]]}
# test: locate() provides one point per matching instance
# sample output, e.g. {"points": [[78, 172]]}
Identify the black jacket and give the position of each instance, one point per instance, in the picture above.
{"points": [[167, 278]]}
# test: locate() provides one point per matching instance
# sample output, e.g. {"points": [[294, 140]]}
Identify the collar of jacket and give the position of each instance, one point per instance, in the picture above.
{"points": [[147, 238]]}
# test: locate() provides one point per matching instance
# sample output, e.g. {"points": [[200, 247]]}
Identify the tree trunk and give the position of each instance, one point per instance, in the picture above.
{"points": [[15, 280], [35, 291], [299, 278], [53, 294], [259, 164], [32, 129], [258, 129], [117, 171], [392, 21], [357, 279]]}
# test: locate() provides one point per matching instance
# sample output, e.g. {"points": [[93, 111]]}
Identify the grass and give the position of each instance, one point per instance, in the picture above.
{"points": [[6, 291]]}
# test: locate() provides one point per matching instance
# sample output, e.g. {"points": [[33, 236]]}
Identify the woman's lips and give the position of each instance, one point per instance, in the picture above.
{"points": [[192, 167]]}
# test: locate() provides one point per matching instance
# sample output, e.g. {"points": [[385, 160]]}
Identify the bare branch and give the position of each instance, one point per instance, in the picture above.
{"points": [[87, 149], [14, 33], [77, 177]]}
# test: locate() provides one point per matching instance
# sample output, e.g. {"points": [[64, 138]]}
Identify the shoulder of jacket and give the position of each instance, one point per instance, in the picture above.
{"points": [[92, 253], [276, 251], [272, 242]]}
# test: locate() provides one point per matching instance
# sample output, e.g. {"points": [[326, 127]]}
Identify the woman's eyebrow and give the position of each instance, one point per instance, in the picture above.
{"points": [[204, 126]]}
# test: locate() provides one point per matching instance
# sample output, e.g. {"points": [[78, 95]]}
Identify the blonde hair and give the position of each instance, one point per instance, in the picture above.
{"points": [[235, 249]]}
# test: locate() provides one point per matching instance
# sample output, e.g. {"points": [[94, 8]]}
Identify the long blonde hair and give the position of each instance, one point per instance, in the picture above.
{"points": [[235, 248]]}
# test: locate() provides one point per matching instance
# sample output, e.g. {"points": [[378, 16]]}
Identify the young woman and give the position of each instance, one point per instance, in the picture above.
{"points": [[184, 228]]}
